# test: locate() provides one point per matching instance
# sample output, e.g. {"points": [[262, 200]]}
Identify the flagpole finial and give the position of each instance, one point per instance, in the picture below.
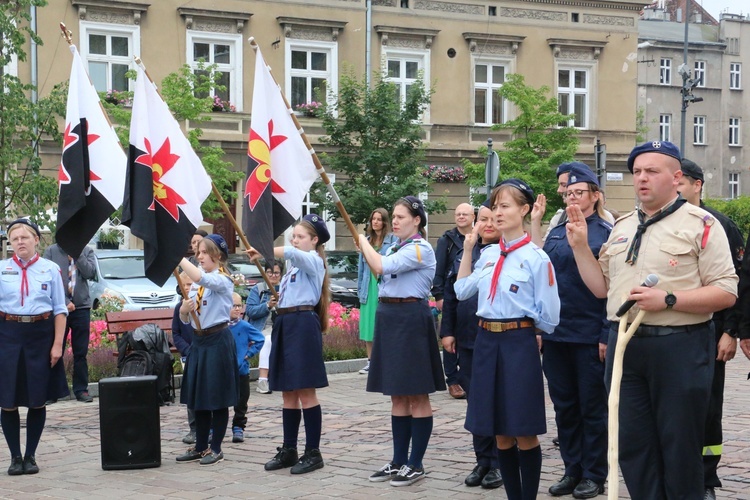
{"points": [[66, 34], [253, 43]]}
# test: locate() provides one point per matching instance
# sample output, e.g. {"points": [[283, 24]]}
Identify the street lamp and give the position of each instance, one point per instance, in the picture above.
{"points": [[688, 84]]}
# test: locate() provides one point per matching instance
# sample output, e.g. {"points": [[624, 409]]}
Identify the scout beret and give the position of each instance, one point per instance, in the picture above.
{"points": [[320, 227], [25, 222], [417, 206], [661, 147], [521, 186], [220, 242]]}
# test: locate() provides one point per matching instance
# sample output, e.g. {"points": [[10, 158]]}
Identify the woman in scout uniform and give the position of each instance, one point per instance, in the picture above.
{"points": [[211, 379], [517, 299], [380, 237], [32, 325], [405, 361], [297, 366]]}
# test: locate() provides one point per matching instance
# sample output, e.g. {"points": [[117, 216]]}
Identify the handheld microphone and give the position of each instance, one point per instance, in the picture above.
{"points": [[651, 280]]}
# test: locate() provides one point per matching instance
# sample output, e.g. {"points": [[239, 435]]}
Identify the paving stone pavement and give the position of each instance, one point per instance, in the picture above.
{"points": [[355, 442]]}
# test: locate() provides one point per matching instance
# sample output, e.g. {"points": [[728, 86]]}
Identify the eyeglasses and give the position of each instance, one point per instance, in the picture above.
{"points": [[236, 306], [576, 193], [274, 273]]}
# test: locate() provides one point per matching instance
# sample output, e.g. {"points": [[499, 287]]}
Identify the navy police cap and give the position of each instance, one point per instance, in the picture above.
{"points": [[25, 222], [521, 186], [691, 169], [221, 243], [320, 227], [581, 173], [661, 147]]}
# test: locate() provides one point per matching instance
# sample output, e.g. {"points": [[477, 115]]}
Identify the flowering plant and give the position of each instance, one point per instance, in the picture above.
{"points": [[444, 173], [341, 341], [219, 106], [117, 97], [309, 108]]}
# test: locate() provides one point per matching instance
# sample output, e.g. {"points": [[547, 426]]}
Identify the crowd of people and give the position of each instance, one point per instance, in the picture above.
{"points": [[517, 306]]}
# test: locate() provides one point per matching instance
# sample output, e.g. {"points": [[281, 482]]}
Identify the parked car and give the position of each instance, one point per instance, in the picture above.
{"points": [[121, 274], [239, 264], [342, 268]]}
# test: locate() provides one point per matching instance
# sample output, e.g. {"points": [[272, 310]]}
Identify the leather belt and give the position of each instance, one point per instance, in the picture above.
{"points": [[504, 326], [661, 331], [213, 329], [287, 310], [397, 300], [25, 319]]}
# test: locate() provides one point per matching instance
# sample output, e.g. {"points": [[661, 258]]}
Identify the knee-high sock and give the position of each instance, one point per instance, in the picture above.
{"points": [[530, 462], [219, 420], [11, 424], [35, 419], [291, 417], [313, 427], [202, 426], [509, 463], [421, 429], [401, 430]]}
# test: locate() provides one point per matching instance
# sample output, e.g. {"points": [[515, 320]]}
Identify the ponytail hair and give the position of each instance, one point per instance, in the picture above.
{"points": [[325, 293]]}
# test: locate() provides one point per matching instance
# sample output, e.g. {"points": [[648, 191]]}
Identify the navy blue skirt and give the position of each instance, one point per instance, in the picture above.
{"points": [[405, 357], [26, 378], [507, 386], [211, 378], [296, 360]]}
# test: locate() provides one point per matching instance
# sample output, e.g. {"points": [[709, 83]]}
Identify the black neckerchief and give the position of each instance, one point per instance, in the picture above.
{"points": [[636, 243]]}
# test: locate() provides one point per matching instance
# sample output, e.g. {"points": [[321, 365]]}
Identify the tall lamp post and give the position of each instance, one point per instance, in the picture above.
{"points": [[491, 168], [688, 83]]}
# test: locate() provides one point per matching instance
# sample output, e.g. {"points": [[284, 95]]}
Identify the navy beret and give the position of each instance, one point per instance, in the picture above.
{"points": [[220, 242], [661, 147], [581, 173], [417, 205], [487, 203], [320, 227], [521, 186], [691, 169], [563, 168], [25, 222]]}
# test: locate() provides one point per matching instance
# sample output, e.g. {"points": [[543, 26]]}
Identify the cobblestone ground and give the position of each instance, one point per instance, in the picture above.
{"points": [[355, 442]]}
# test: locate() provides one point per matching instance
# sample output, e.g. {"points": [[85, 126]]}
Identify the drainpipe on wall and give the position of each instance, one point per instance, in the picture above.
{"points": [[368, 40]]}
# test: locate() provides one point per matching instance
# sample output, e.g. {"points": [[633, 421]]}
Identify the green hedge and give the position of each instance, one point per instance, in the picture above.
{"points": [[737, 209]]}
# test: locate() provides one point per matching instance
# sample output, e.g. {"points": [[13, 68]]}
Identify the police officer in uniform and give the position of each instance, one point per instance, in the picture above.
{"points": [[32, 326], [668, 365], [725, 325]]}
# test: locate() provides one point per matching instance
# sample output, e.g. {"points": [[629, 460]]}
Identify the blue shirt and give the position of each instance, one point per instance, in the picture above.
{"points": [[303, 282], [216, 301], [46, 292], [408, 270], [248, 341], [256, 311], [527, 286], [364, 273]]}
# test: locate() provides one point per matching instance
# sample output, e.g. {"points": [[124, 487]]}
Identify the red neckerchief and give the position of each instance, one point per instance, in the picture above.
{"points": [[499, 265], [24, 278]]}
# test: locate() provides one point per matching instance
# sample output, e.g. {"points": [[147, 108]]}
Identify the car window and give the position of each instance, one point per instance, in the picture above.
{"points": [[122, 267]]}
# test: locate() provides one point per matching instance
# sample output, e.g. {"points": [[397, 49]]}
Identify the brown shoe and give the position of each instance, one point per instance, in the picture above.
{"points": [[456, 391]]}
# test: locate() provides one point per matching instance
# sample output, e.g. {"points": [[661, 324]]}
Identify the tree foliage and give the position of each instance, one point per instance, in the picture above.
{"points": [[539, 142], [378, 146], [737, 209]]}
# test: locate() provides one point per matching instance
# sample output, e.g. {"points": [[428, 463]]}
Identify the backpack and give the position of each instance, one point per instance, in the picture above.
{"points": [[145, 351], [136, 364]]}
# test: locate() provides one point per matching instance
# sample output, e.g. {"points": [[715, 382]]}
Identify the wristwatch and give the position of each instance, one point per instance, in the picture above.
{"points": [[670, 299]]}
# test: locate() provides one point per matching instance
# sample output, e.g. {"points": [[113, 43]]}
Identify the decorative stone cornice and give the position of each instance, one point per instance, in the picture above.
{"points": [[398, 32], [190, 14], [487, 38], [133, 7], [626, 5], [288, 23], [557, 44]]}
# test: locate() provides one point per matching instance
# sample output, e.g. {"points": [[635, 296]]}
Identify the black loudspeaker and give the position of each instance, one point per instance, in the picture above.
{"points": [[129, 423]]}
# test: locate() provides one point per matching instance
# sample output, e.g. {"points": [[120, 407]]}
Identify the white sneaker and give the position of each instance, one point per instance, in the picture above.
{"points": [[263, 387], [366, 369]]}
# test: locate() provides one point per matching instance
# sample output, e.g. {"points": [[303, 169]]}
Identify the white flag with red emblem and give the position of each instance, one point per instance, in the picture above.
{"points": [[166, 183], [91, 175], [280, 169]]}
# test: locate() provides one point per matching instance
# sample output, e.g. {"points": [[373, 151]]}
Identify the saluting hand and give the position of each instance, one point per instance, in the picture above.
{"points": [[576, 229], [539, 208], [471, 239]]}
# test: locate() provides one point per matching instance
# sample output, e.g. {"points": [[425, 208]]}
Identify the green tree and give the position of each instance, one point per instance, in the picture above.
{"points": [[24, 123], [377, 144], [641, 126], [541, 141]]}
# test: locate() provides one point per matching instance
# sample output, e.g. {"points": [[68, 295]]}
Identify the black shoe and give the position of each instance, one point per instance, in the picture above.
{"points": [[191, 455], [476, 476], [710, 494], [29, 465], [565, 486], [588, 489], [385, 473], [556, 442], [16, 466], [84, 397], [308, 462], [492, 480], [286, 457]]}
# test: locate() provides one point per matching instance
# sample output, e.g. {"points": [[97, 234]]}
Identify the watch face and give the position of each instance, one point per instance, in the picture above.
{"points": [[670, 299]]}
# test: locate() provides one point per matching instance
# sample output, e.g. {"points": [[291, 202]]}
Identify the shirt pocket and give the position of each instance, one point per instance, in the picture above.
{"points": [[616, 255], [513, 279], [679, 257]]}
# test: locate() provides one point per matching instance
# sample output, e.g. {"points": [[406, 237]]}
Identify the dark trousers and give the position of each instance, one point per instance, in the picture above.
{"points": [[666, 385], [240, 409], [713, 440], [575, 378], [450, 367], [78, 328], [485, 447]]}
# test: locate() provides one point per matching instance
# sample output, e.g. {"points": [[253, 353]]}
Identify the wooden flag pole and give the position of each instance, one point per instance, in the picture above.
{"points": [[185, 296], [318, 166]]}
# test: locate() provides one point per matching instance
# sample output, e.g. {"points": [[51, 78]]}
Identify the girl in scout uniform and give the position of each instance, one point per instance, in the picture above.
{"points": [[32, 324], [210, 383], [517, 299], [297, 366], [405, 362]]}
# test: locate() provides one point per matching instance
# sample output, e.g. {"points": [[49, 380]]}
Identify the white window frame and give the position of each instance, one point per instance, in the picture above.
{"points": [[490, 87], [665, 71], [735, 76], [734, 185], [332, 75], [422, 57], [699, 73], [234, 67], [572, 91], [665, 127], [735, 132], [132, 32], [699, 130], [307, 207]]}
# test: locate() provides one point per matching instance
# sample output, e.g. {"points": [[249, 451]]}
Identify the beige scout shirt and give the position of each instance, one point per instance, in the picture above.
{"points": [[671, 249]]}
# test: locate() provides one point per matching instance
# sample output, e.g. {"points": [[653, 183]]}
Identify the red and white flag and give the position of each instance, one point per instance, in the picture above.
{"points": [[280, 169], [91, 175], [166, 183]]}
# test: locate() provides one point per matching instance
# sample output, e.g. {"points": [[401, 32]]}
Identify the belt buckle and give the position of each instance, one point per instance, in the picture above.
{"points": [[25, 319], [496, 327]]}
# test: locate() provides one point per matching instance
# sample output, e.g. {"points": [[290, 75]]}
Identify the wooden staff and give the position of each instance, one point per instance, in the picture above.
{"points": [[624, 335]]}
